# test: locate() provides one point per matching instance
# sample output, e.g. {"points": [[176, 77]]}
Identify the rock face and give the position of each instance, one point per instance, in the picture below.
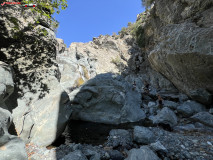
{"points": [[29, 47], [6, 81], [183, 49], [11, 147], [107, 98], [115, 54], [75, 68]]}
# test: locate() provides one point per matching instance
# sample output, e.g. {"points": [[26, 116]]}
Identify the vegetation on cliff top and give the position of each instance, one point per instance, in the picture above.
{"points": [[147, 3], [48, 8], [136, 30]]}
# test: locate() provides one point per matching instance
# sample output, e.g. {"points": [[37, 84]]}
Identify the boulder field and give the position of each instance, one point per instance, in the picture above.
{"points": [[154, 99]]}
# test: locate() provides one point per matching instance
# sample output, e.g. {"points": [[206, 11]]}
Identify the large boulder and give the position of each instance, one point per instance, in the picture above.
{"points": [[166, 116], [107, 98], [144, 153], [189, 108], [203, 117], [45, 120], [183, 52], [143, 135]]}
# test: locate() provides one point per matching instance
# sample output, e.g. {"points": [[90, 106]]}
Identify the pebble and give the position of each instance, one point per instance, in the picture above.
{"points": [[182, 146], [209, 143], [194, 140]]}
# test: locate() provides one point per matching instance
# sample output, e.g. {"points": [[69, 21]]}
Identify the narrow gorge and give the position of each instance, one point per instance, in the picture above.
{"points": [[142, 94]]}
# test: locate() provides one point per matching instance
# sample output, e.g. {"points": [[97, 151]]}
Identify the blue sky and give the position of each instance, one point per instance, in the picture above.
{"points": [[85, 19]]}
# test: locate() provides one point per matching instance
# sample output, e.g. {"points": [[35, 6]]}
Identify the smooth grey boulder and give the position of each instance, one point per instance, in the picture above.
{"points": [[204, 118], [76, 155], [189, 108], [6, 81], [50, 118], [12, 148], [165, 116], [107, 98], [119, 137], [144, 153], [45, 118], [143, 135]]}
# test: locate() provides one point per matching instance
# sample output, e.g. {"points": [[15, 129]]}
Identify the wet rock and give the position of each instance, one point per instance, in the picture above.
{"points": [[143, 135], [144, 153], [203, 117], [165, 116], [119, 137], [107, 98], [189, 108]]}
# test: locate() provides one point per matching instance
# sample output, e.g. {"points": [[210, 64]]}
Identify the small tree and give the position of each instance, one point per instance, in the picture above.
{"points": [[147, 3], [48, 8]]}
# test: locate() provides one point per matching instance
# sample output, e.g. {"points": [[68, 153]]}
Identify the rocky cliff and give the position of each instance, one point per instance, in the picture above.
{"points": [[180, 45], [29, 47], [157, 72]]}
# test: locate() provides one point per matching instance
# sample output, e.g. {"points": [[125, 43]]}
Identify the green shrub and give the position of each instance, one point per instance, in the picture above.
{"points": [[147, 3], [137, 31], [48, 8], [123, 31]]}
